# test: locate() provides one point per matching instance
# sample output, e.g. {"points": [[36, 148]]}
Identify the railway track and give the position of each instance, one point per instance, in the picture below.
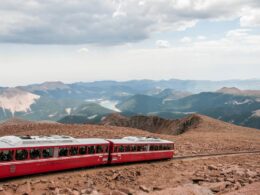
{"points": [[197, 156]]}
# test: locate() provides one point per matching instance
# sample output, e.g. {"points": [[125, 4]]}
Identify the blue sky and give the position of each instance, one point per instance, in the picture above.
{"points": [[77, 40]]}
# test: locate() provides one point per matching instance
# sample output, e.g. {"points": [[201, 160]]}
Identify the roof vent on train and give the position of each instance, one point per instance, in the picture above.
{"points": [[141, 139], [11, 140], [27, 140], [47, 139]]}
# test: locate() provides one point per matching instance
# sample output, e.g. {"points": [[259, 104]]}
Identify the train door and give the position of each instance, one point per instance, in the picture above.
{"points": [[110, 151]]}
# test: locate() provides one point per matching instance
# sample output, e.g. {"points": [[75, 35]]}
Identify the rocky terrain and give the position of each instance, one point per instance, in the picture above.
{"points": [[201, 175]]}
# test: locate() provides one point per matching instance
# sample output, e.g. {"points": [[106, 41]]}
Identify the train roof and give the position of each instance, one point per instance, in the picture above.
{"points": [[140, 140], [52, 140]]}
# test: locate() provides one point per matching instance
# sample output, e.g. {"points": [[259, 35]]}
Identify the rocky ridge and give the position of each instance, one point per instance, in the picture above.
{"points": [[154, 124]]}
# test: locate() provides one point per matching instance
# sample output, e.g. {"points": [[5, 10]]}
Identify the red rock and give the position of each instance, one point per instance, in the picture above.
{"points": [[252, 189], [197, 179], [251, 173], [237, 185], [116, 192], [24, 189], [188, 189], [156, 188], [212, 167], [144, 188], [127, 191], [217, 187]]}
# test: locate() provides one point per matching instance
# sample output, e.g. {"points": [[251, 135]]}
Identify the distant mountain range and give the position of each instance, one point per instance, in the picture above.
{"points": [[234, 101]]}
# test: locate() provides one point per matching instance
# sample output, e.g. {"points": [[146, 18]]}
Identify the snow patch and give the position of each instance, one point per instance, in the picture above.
{"points": [[123, 94], [68, 111], [93, 116], [17, 100], [103, 118], [256, 113], [52, 115], [234, 102], [167, 100], [110, 105]]}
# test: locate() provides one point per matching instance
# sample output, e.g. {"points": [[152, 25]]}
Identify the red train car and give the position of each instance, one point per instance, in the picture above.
{"points": [[133, 149], [24, 155]]}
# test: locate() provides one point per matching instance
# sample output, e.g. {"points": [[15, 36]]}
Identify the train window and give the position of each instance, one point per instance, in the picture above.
{"points": [[145, 148], [83, 150], [139, 148], [165, 147], [47, 152], [156, 147], [35, 153], [99, 149], [63, 151], [21, 154], [73, 151], [91, 150], [127, 148], [115, 148], [121, 149], [151, 147], [133, 148], [6, 155], [160, 147]]}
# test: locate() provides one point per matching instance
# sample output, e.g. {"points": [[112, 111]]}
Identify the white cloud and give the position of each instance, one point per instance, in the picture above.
{"points": [[141, 3], [83, 50], [237, 33], [162, 44], [201, 38], [119, 11], [250, 18], [112, 21], [186, 40]]}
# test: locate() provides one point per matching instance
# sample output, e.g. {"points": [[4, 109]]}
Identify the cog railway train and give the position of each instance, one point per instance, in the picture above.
{"points": [[25, 155]]}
